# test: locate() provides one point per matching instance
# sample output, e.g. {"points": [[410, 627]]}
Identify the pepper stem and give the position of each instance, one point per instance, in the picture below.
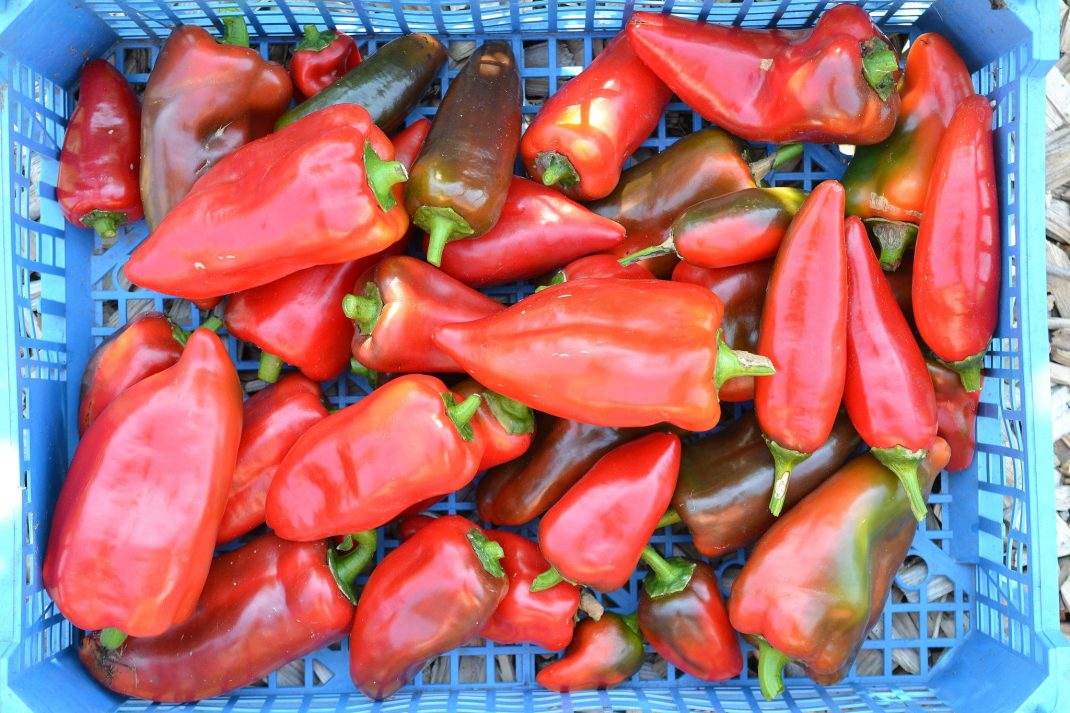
{"points": [[515, 418], [784, 460], [461, 413], [549, 578], [488, 551], [771, 663], [879, 66], [181, 336], [370, 374], [235, 33], [383, 176], [213, 323], [788, 152], [347, 561], [631, 621], [665, 248], [314, 40], [671, 517], [732, 363], [365, 308], [905, 463], [556, 169], [270, 367], [111, 638], [969, 371], [442, 225], [591, 606], [668, 576], [894, 238], [104, 222]]}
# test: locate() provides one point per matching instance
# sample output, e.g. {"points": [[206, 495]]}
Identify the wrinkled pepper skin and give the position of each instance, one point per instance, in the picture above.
{"points": [[322, 58], [263, 605], [430, 595], [741, 288], [690, 628], [563, 450], [603, 654], [584, 132], [388, 84], [203, 100], [596, 532], [651, 194], [101, 158], [538, 231], [957, 256], [779, 85], [459, 183], [816, 583], [660, 369], [506, 427], [804, 334], [360, 467], [272, 421], [409, 141], [399, 303], [257, 217], [144, 346], [135, 523], [888, 393], [725, 482], [888, 180], [956, 414]]}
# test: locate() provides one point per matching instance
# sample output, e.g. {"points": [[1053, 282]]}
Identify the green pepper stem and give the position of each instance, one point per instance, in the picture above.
{"points": [[112, 638], [347, 563], [905, 463], [732, 363], [180, 335], [969, 371], [549, 578], [761, 168], [784, 460], [441, 225], [270, 367], [314, 40], [104, 222], [631, 621], [671, 517], [383, 176], [461, 413], [668, 576], [879, 66], [364, 309], [213, 323], [771, 663], [370, 374], [235, 33], [488, 551], [556, 169], [665, 248], [894, 237], [515, 418]]}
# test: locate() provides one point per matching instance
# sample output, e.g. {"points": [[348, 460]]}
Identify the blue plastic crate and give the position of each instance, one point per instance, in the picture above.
{"points": [[987, 561]]}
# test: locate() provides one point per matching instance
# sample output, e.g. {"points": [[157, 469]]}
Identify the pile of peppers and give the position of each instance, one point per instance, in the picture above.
{"points": [[296, 211]]}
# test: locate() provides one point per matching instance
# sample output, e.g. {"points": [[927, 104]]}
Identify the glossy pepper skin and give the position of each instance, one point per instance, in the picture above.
{"points": [[461, 179], [203, 100], [397, 306], [804, 334], [741, 288], [271, 208], [596, 532], [726, 479], [888, 180], [272, 421], [957, 256], [538, 231], [601, 265], [562, 451], [603, 654], [360, 467], [682, 614], [660, 369], [388, 84], [584, 133], [834, 83], [506, 427], [409, 141], [101, 157], [432, 594], [322, 58], [651, 194], [956, 414], [263, 605], [888, 393], [833, 558], [158, 460]]}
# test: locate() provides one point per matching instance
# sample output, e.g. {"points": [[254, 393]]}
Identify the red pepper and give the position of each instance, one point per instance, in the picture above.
{"points": [[409, 141], [900, 282], [505, 427], [539, 230], [804, 334], [563, 351], [957, 260], [359, 468], [398, 304], [596, 532], [956, 414], [271, 208], [832, 83], [272, 421], [135, 524], [742, 289], [263, 605], [603, 653], [682, 614], [601, 265], [411, 523], [888, 393], [432, 594], [584, 132], [321, 58], [101, 157], [204, 99]]}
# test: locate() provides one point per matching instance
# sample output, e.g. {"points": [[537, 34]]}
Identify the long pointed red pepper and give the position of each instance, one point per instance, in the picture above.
{"points": [[804, 334]]}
